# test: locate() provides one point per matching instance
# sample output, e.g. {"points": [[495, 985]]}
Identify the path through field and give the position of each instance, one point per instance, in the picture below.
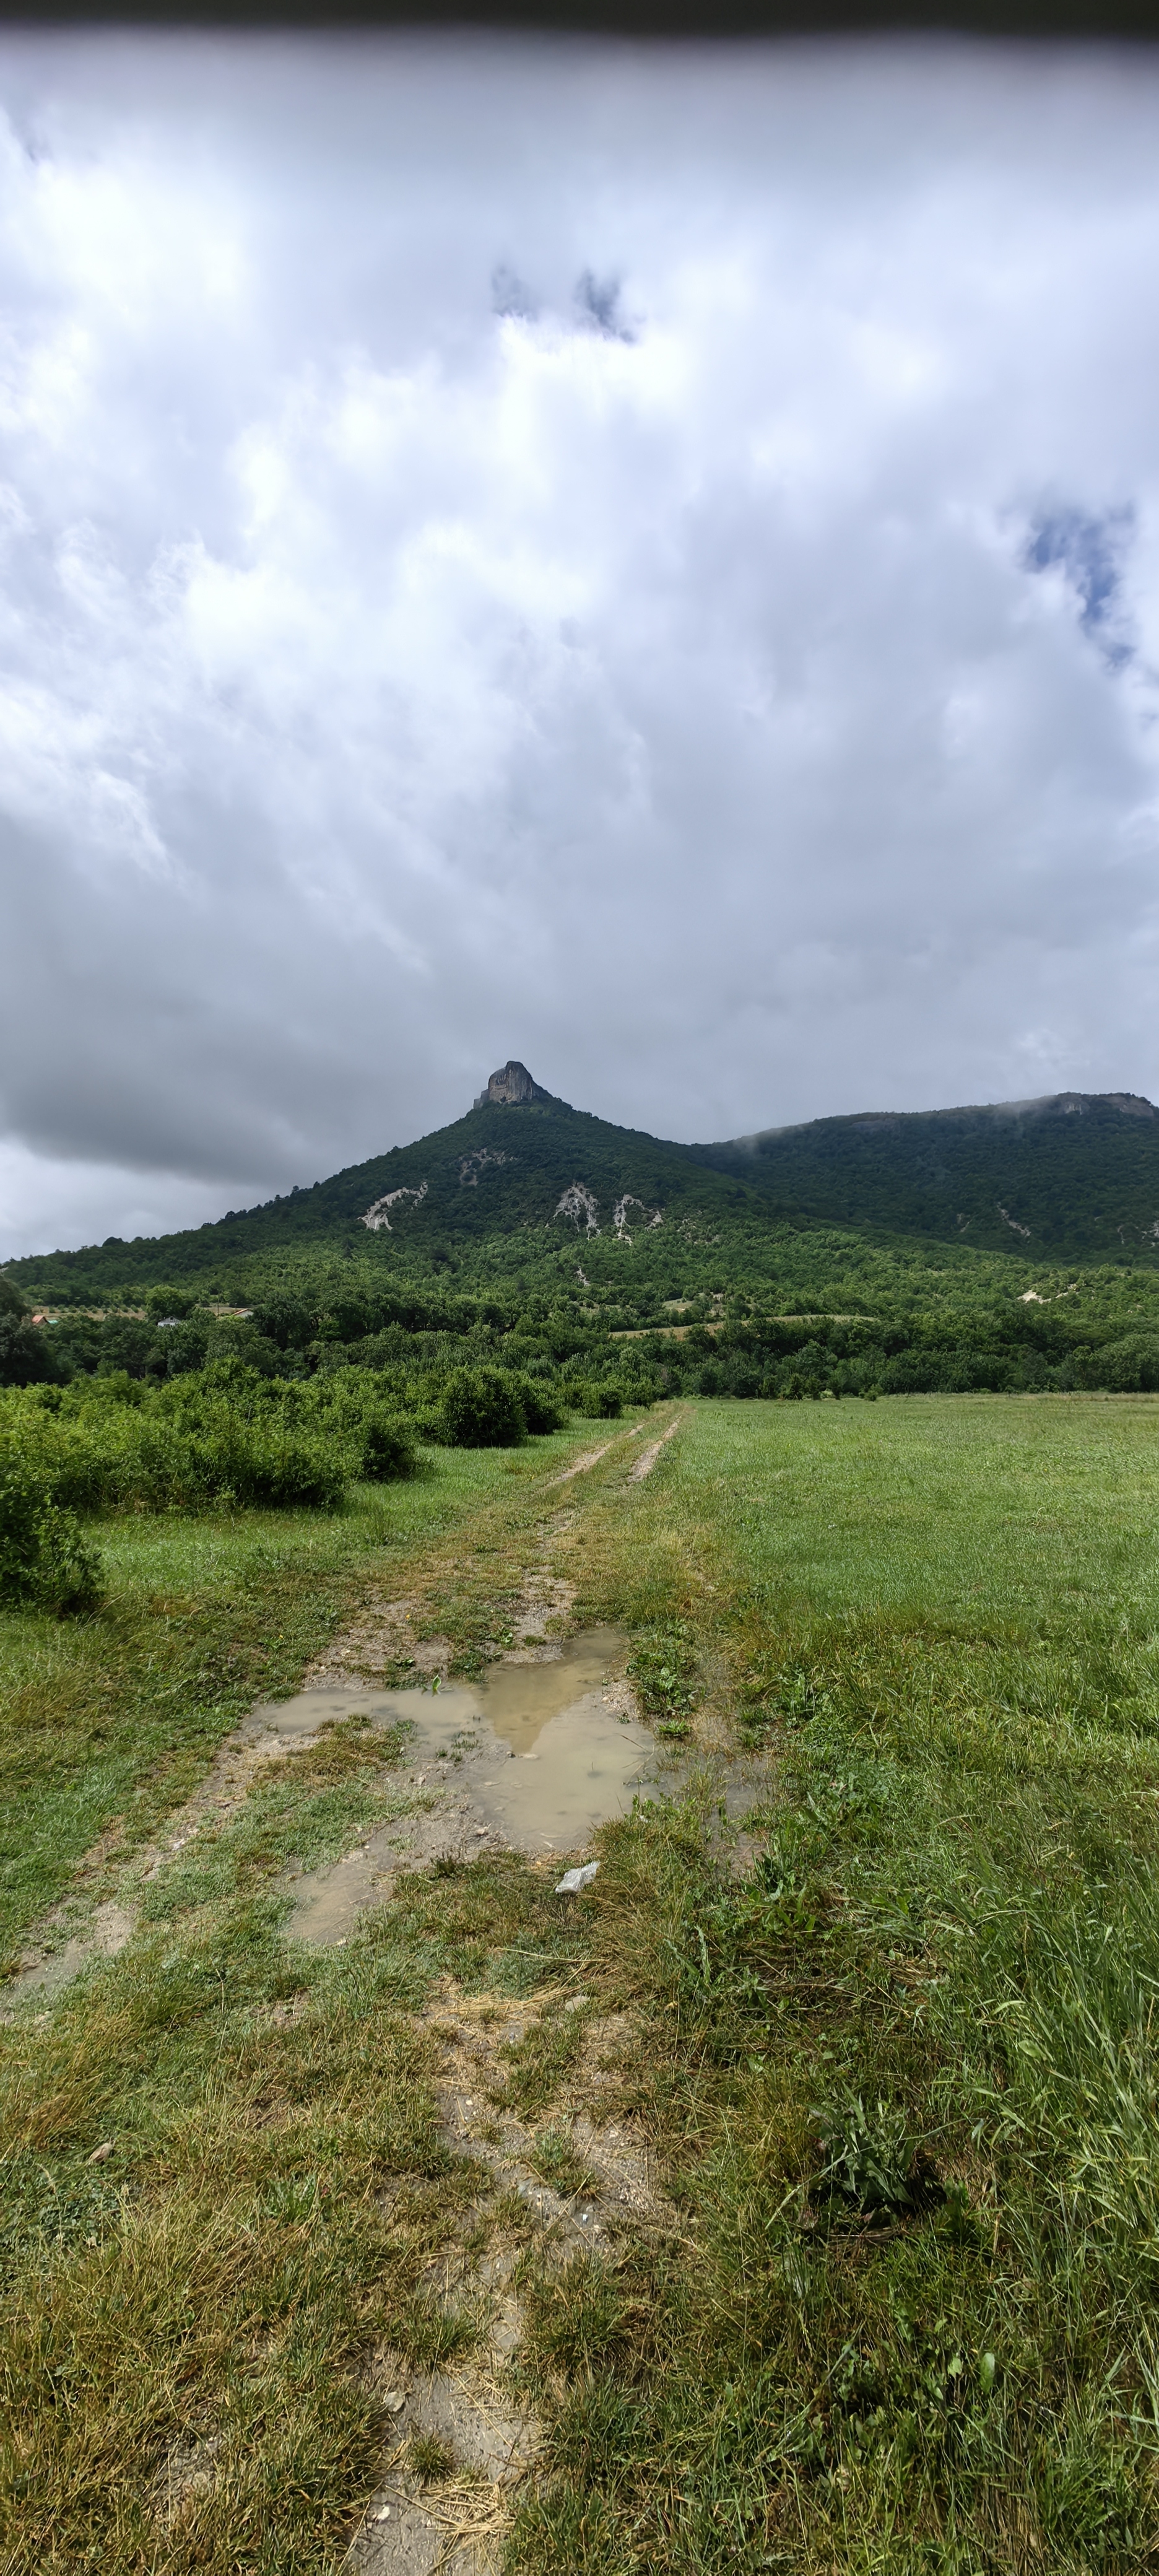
{"points": [[782, 2197]]}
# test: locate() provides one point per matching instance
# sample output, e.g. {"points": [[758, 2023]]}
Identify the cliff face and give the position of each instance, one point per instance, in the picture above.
{"points": [[511, 1084]]}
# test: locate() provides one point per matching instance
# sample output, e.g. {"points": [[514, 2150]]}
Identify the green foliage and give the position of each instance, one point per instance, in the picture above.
{"points": [[1070, 1177], [948, 1217], [44, 1559], [25, 1356], [1124, 1367], [224, 1436], [388, 1449], [663, 1669], [170, 1304], [730, 1296], [542, 1411], [867, 2153], [106, 1455], [599, 1399], [481, 1409]]}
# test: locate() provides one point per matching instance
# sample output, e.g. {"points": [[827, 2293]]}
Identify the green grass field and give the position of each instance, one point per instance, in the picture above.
{"points": [[899, 2078], [109, 1721]]}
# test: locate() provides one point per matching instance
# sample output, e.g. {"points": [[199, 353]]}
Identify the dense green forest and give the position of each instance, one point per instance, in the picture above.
{"points": [[602, 1266], [490, 1186], [1072, 1177], [524, 1188]]}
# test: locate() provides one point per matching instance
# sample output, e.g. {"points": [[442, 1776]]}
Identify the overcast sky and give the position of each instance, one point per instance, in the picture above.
{"points": [[644, 562]]}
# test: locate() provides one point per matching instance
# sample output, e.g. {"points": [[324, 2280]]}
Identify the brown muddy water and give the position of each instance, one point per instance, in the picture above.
{"points": [[547, 1751], [533, 1757]]}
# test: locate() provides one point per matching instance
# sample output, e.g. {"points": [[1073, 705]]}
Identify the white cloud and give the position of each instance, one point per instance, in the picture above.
{"points": [[727, 683]]}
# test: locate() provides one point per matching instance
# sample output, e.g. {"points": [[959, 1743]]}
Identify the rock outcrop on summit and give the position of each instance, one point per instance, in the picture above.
{"points": [[510, 1085]]}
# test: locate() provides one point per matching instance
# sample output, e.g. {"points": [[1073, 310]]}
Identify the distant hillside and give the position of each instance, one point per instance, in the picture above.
{"points": [[521, 1164], [1073, 1177], [526, 1184]]}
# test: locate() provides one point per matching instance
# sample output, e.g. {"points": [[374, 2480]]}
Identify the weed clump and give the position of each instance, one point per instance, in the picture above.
{"points": [[791, 1697], [663, 1670], [429, 2459], [554, 2159], [868, 2153]]}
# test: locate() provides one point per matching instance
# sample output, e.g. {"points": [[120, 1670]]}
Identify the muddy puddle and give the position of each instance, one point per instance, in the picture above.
{"points": [[533, 1757], [520, 1700]]}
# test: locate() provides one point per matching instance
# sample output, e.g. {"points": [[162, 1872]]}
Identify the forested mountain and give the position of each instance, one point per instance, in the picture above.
{"points": [[958, 1250], [522, 1175], [1073, 1177], [526, 1186]]}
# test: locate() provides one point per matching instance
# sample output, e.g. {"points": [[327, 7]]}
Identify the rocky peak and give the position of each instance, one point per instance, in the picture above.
{"points": [[512, 1083]]}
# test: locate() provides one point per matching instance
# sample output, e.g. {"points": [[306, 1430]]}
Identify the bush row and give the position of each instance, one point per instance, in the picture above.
{"points": [[221, 1438]]}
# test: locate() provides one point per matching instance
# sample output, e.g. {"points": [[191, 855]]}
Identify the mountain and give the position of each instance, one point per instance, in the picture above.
{"points": [[1072, 1177], [523, 1178], [521, 1172]]}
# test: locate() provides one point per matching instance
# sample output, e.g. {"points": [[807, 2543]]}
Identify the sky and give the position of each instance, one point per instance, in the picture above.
{"points": [[643, 561]]}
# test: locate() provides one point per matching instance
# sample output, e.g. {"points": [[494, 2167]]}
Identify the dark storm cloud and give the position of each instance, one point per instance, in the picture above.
{"points": [[725, 682]]}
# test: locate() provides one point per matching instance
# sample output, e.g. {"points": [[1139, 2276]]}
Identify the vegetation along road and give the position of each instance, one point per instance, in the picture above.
{"points": [[786, 2198]]}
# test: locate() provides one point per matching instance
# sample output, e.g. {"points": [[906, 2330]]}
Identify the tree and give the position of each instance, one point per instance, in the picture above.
{"points": [[481, 1410], [170, 1305], [26, 1354]]}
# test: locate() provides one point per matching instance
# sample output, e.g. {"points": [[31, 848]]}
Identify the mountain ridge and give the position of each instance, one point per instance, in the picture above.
{"points": [[1069, 1176]]}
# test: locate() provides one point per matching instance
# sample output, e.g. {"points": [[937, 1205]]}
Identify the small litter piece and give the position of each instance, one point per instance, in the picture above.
{"points": [[575, 2003], [100, 2155], [394, 2400], [573, 1879]]}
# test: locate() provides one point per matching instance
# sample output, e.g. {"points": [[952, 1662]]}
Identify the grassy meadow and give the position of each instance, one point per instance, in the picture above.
{"points": [[107, 1722], [895, 2068]]}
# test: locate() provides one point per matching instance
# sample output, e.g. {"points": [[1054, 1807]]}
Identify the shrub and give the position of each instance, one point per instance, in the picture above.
{"points": [[600, 1401], [541, 1412], [388, 1449], [44, 1558], [106, 1455], [228, 1459], [481, 1409]]}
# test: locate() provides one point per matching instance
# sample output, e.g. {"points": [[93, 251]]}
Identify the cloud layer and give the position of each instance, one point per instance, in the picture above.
{"points": [[645, 562]]}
